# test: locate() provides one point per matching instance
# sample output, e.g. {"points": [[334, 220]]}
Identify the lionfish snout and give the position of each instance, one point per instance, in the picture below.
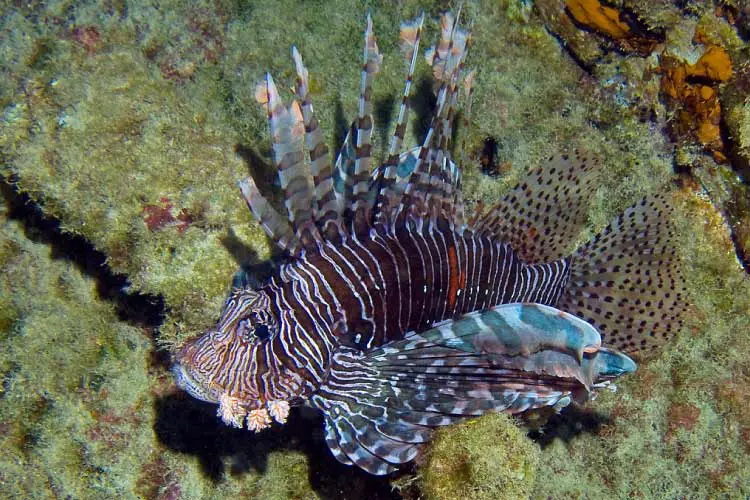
{"points": [[200, 371], [190, 369], [185, 380]]}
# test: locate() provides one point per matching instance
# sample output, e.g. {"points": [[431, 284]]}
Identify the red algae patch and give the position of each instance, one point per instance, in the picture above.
{"points": [[681, 416], [161, 215]]}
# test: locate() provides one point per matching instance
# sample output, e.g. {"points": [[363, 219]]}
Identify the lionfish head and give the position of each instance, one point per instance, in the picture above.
{"points": [[206, 366]]}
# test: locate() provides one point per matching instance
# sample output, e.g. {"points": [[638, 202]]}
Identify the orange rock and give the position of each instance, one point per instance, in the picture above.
{"points": [[700, 111], [706, 92], [674, 75], [708, 133], [714, 64], [610, 22], [594, 15]]}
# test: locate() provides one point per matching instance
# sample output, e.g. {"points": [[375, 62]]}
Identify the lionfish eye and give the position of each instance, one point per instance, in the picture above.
{"points": [[253, 327], [262, 332]]}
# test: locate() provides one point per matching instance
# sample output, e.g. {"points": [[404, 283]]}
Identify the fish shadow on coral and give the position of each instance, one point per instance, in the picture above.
{"points": [[265, 176], [423, 102], [136, 308], [570, 423], [191, 427]]}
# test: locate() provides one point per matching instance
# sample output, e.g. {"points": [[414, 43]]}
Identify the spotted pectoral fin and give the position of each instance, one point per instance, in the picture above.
{"points": [[380, 407]]}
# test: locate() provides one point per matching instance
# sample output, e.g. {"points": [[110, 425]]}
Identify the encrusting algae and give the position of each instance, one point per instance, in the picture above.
{"points": [[177, 113], [699, 109], [484, 459]]}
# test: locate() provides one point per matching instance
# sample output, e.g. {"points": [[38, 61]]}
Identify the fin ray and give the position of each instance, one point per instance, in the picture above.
{"points": [[327, 204], [383, 404]]}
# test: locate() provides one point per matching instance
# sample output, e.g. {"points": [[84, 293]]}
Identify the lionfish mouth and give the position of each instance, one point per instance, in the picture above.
{"points": [[234, 411], [188, 382]]}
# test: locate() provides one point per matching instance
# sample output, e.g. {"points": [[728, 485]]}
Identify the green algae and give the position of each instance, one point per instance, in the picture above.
{"points": [[67, 361], [675, 429], [284, 481], [99, 130], [484, 459]]}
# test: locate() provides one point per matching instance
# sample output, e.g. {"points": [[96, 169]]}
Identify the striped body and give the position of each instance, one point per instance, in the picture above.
{"points": [[408, 278], [365, 293]]}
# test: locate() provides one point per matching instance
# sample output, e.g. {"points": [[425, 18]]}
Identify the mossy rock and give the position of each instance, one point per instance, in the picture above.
{"points": [[490, 457]]}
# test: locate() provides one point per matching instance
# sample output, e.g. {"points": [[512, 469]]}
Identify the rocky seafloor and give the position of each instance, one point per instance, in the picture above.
{"points": [[126, 125]]}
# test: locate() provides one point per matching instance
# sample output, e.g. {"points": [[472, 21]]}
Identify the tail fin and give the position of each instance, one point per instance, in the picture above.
{"points": [[626, 282]]}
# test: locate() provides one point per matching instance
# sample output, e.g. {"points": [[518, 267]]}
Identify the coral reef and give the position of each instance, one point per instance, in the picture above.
{"points": [[698, 107], [75, 404], [486, 458], [130, 124], [611, 22]]}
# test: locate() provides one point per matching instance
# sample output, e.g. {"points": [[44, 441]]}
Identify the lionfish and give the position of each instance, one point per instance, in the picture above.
{"points": [[394, 313]]}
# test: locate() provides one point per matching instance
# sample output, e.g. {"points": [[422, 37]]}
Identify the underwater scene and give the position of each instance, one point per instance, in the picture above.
{"points": [[383, 250]]}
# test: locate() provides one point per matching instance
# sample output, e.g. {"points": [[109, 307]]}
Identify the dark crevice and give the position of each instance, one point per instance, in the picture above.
{"points": [[139, 309], [583, 65], [488, 157]]}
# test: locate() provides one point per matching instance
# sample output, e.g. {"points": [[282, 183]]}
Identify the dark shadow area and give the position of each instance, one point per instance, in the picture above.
{"points": [[488, 157], [139, 309], [737, 209], [588, 68], [261, 167], [423, 101], [242, 254], [459, 122], [341, 126], [265, 175], [188, 426], [568, 424], [383, 111]]}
